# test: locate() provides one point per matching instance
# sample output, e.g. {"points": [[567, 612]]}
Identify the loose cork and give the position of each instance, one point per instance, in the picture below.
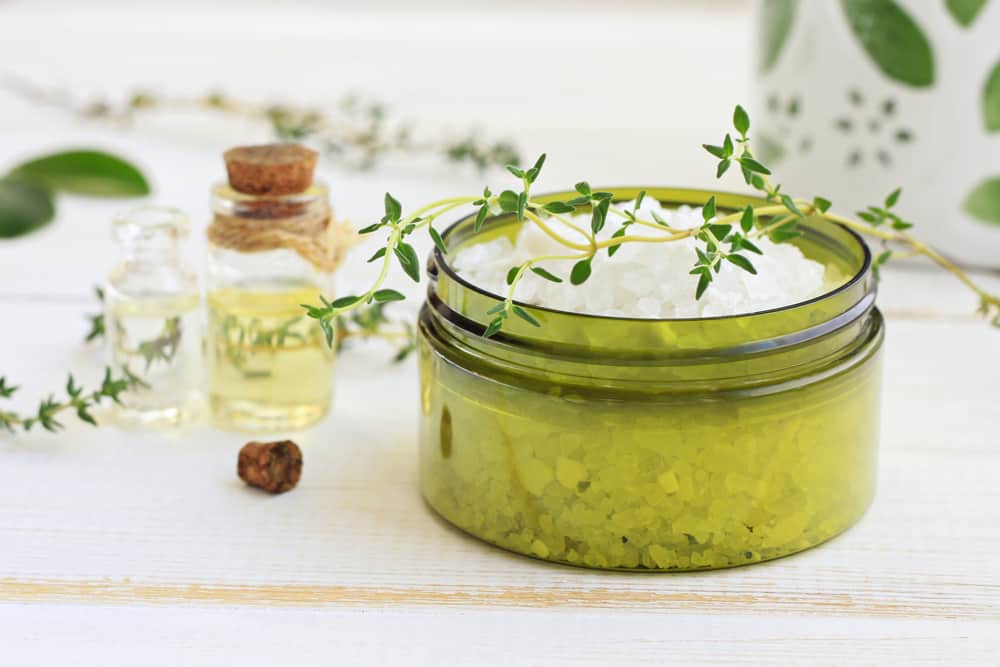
{"points": [[271, 169], [273, 466]]}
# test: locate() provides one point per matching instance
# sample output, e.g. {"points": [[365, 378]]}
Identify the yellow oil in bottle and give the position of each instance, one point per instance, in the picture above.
{"points": [[269, 367]]}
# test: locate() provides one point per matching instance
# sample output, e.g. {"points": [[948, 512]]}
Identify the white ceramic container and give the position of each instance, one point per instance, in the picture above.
{"points": [[857, 97]]}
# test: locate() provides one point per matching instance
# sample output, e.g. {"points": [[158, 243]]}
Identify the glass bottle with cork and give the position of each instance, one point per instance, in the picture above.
{"points": [[272, 248], [152, 317]]}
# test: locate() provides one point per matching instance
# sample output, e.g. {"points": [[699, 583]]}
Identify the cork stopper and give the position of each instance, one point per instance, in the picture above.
{"points": [[271, 169], [273, 466]]}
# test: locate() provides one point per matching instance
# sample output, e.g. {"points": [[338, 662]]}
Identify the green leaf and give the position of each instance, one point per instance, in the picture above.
{"points": [[983, 203], [494, 327], [370, 228], [24, 207], [786, 232], [85, 172], [345, 301], [484, 211], [790, 205], [497, 308], [742, 262], [723, 167], [512, 274], [748, 219], [991, 100], [752, 165], [522, 203], [328, 332], [545, 274], [84, 415], [378, 254], [708, 210], [822, 205], [748, 245], [526, 316], [599, 215], [620, 232], [438, 241], [741, 120], [532, 174], [776, 18], [408, 259], [580, 272], [717, 151], [892, 39], [384, 295], [508, 201], [514, 170], [558, 207], [964, 11], [720, 231], [893, 197], [704, 280], [583, 187], [393, 209]]}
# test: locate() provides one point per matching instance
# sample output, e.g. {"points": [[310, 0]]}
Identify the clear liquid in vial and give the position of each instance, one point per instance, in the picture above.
{"points": [[157, 340]]}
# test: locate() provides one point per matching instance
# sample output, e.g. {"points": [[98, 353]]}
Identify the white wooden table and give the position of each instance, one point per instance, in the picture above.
{"points": [[139, 547]]}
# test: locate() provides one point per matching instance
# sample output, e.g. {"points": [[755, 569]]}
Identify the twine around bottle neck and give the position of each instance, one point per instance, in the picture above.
{"points": [[259, 225]]}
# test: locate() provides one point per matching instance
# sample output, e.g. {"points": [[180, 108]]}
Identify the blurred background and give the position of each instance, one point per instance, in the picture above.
{"points": [[848, 99]]}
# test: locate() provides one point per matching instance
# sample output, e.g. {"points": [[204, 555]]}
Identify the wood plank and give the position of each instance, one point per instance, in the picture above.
{"points": [[191, 635]]}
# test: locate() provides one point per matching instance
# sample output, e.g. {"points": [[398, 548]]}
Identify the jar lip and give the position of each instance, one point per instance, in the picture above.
{"points": [[442, 264]]}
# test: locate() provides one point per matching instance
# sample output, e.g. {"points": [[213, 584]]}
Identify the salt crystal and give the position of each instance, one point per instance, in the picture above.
{"points": [[644, 280]]}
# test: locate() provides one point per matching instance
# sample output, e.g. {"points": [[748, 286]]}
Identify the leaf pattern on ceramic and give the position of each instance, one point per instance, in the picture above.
{"points": [[983, 203], [991, 100], [776, 18], [892, 39], [769, 150], [964, 11]]}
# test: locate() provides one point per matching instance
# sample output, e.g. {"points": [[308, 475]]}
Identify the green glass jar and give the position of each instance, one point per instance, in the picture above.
{"points": [[642, 444]]}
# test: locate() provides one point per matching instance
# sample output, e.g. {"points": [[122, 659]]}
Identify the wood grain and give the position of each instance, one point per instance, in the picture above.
{"points": [[889, 603]]}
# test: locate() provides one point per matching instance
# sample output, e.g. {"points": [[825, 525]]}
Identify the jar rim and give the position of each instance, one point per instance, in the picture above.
{"points": [[441, 263], [752, 346]]}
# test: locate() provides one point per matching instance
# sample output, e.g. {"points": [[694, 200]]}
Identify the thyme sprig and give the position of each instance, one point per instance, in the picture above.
{"points": [[372, 323], [722, 238], [356, 132], [879, 222], [367, 323], [163, 347], [77, 400]]}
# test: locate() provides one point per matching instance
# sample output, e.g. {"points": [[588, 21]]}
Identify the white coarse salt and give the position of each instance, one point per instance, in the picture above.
{"points": [[645, 280]]}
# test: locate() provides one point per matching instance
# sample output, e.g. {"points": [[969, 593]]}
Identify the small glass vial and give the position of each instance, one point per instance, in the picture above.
{"points": [[269, 365], [153, 319]]}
